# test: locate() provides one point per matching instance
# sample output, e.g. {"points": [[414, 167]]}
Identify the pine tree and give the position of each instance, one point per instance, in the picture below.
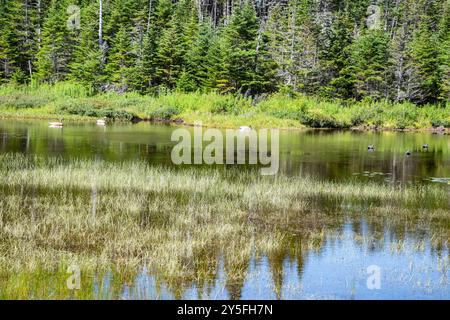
{"points": [[119, 69], [243, 42], [425, 54], [57, 46], [18, 39], [171, 49], [87, 63], [444, 54], [368, 65]]}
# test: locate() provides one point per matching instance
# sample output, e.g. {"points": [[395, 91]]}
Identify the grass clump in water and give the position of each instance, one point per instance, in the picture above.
{"points": [[178, 223]]}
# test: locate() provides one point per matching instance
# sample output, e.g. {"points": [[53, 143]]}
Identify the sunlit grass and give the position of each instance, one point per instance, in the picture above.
{"points": [[178, 223], [47, 206], [76, 102]]}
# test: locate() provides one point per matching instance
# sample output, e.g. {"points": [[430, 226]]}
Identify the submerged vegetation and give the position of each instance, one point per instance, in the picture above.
{"points": [[76, 102], [179, 222]]}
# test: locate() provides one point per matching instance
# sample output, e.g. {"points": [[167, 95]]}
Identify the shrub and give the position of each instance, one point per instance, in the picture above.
{"points": [[90, 109], [21, 100], [229, 105], [165, 113], [440, 122], [318, 118]]}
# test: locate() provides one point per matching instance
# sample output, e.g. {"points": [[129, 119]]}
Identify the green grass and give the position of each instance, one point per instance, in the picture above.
{"points": [[178, 221], [73, 101]]}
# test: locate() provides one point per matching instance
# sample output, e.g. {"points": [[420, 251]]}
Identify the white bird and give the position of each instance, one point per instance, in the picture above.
{"points": [[101, 122], [245, 128], [56, 124]]}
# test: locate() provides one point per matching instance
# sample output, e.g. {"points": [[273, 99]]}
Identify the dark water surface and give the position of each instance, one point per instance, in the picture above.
{"points": [[411, 265], [326, 154]]}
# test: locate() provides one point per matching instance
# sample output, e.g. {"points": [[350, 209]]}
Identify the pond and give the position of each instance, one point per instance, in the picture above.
{"points": [[324, 154], [356, 257]]}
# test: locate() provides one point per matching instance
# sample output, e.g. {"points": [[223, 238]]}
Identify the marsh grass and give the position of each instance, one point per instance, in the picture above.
{"points": [[179, 223], [76, 102]]}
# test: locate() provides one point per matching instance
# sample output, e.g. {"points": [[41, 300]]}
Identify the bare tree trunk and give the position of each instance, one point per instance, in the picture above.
{"points": [[293, 40], [30, 70], [39, 29], [100, 24], [149, 14], [27, 34], [215, 12], [200, 12], [228, 10]]}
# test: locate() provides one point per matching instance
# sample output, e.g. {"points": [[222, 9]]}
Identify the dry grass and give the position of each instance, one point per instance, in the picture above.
{"points": [[179, 222]]}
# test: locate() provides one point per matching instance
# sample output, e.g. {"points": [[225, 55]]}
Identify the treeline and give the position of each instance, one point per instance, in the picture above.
{"points": [[397, 50]]}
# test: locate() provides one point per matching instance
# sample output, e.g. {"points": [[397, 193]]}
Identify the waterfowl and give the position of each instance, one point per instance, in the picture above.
{"points": [[56, 124], [245, 128], [408, 153], [371, 148], [101, 122], [425, 146]]}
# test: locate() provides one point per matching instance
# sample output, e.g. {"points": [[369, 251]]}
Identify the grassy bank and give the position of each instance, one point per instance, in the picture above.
{"points": [[178, 222], [74, 102]]}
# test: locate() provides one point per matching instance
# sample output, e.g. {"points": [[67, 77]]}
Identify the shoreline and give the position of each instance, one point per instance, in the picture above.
{"points": [[72, 102], [181, 123]]}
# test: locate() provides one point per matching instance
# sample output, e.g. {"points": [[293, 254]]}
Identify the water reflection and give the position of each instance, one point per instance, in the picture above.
{"points": [[335, 155], [410, 269], [332, 264]]}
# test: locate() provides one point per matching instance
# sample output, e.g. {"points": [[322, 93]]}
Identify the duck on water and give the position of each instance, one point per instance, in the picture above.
{"points": [[56, 124], [101, 122]]}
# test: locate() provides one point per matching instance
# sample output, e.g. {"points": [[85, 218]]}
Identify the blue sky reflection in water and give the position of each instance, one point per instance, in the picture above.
{"points": [[409, 270]]}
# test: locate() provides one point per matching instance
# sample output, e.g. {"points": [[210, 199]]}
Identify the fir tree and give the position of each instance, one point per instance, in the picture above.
{"points": [[87, 63], [425, 54], [121, 60], [57, 45], [171, 49], [346, 49], [368, 65], [18, 38]]}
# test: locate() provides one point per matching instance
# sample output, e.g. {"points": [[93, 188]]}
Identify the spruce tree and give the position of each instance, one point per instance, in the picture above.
{"points": [[334, 52], [197, 60], [119, 69], [172, 48], [346, 49], [215, 63], [18, 38], [444, 54], [57, 45], [368, 65], [425, 54], [243, 43], [87, 63]]}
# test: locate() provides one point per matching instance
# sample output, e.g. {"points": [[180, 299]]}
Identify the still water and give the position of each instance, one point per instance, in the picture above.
{"points": [[410, 265], [324, 154]]}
